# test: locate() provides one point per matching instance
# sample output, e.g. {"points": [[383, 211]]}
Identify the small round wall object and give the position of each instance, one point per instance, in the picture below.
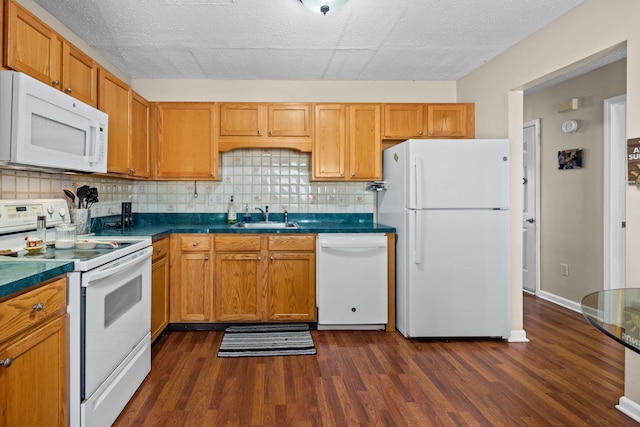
{"points": [[569, 126]]}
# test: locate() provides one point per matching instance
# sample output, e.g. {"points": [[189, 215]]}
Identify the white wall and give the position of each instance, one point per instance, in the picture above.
{"points": [[496, 88]]}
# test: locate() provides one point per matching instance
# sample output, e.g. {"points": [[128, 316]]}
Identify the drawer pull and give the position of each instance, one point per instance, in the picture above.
{"points": [[6, 362], [259, 258], [195, 243], [206, 258], [38, 307]]}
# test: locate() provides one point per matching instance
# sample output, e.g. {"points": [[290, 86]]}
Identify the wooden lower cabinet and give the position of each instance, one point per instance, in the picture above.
{"points": [[264, 278], [159, 287], [33, 361], [191, 278]]}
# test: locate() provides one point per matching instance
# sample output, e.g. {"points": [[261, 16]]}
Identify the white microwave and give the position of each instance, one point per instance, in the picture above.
{"points": [[41, 127]]}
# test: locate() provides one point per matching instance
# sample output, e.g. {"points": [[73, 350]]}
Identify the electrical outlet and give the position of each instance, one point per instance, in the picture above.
{"points": [[564, 269]]}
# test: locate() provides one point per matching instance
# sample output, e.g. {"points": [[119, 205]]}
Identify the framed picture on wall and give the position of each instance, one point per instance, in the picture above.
{"points": [[570, 159]]}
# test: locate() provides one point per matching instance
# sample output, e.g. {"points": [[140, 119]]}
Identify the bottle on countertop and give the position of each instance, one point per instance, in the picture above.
{"points": [[41, 229], [231, 213], [247, 216]]}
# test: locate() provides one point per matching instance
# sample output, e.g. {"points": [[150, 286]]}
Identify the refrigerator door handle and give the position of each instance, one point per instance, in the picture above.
{"points": [[418, 181], [417, 247]]}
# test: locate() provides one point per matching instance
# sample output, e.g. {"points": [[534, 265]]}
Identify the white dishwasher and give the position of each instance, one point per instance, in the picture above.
{"points": [[352, 281]]}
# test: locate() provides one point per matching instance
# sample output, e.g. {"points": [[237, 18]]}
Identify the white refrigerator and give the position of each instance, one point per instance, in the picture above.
{"points": [[449, 202]]}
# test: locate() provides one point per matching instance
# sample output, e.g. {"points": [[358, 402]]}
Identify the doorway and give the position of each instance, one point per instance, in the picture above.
{"points": [[530, 235], [615, 183]]}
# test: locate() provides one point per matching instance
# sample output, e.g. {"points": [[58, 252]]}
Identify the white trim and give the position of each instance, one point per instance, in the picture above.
{"points": [[536, 124], [518, 336], [629, 408], [614, 161], [571, 305]]}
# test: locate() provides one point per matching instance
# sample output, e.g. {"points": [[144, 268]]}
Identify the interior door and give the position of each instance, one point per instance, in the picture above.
{"points": [[529, 225]]}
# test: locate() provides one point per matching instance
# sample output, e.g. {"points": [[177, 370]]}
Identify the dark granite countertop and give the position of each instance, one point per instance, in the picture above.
{"points": [[16, 276], [160, 225]]}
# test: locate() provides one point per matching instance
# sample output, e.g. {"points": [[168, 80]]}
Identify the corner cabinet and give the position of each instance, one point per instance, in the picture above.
{"points": [[33, 357], [347, 142], [406, 121], [185, 146], [262, 277], [191, 274], [256, 125]]}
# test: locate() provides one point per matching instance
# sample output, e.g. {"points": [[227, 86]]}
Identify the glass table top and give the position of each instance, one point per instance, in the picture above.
{"points": [[616, 312]]}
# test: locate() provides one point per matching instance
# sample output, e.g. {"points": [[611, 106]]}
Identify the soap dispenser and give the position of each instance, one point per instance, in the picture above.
{"points": [[231, 213], [247, 216]]}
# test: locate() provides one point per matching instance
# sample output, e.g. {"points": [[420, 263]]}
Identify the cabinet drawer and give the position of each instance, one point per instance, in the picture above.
{"points": [[160, 249], [195, 242], [237, 243], [21, 312], [305, 242]]}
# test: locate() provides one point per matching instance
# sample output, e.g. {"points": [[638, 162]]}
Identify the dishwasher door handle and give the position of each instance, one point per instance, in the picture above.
{"points": [[351, 245]]}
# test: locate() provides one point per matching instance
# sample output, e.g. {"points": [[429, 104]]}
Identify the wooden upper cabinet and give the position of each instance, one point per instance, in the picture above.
{"points": [[79, 75], [402, 121], [139, 154], [450, 120], [365, 141], [115, 100], [186, 147], [329, 142], [257, 125], [35, 49], [347, 135], [405, 121], [31, 46]]}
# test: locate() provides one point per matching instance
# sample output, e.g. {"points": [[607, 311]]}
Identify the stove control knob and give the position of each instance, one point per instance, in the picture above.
{"points": [[50, 210], [62, 212]]}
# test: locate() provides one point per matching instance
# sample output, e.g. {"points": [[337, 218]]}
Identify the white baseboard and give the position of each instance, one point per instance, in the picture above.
{"points": [[571, 305], [629, 408], [518, 336]]}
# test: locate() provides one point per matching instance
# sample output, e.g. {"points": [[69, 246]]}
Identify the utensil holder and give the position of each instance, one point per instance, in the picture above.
{"points": [[82, 220]]}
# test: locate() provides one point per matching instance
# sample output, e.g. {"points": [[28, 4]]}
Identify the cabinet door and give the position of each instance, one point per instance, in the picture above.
{"points": [[244, 119], [115, 100], [34, 386], [291, 292], [237, 295], [79, 75], [31, 46], [159, 296], [365, 142], [450, 120], [195, 287], [403, 121], [186, 147], [329, 142], [139, 162], [290, 120]]}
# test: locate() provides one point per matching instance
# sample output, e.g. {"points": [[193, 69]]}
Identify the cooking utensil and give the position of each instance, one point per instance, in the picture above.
{"points": [[71, 197], [91, 244], [82, 192], [91, 197]]}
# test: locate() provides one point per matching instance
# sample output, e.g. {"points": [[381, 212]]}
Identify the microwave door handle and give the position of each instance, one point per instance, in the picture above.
{"points": [[92, 146]]}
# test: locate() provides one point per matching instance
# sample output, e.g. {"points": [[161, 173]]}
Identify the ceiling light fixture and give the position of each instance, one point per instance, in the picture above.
{"points": [[322, 6]]}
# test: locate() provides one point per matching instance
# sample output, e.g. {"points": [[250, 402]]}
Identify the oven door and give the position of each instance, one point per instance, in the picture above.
{"points": [[116, 315]]}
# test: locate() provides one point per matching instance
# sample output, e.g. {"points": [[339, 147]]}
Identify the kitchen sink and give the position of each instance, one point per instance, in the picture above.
{"points": [[265, 224]]}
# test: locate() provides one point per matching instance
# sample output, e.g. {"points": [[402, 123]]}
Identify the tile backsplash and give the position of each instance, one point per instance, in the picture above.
{"points": [[279, 178]]}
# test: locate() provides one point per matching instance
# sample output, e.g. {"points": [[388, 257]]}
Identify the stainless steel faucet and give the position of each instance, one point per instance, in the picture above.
{"points": [[265, 213]]}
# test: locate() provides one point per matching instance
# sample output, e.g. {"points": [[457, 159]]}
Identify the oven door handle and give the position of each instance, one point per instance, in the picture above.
{"points": [[110, 270]]}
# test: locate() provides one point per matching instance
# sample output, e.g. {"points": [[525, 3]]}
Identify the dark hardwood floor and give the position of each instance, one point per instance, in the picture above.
{"points": [[569, 374]]}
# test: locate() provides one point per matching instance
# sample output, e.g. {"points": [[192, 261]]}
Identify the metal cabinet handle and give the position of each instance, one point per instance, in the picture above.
{"points": [[341, 173], [353, 174], [420, 132], [431, 133], [271, 258], [206, 258], [132, 171], [68, 90], [38, 307], [270, 132], [56, 82], [259, 258], [259, 132], [195, 243], [6, 362]]}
